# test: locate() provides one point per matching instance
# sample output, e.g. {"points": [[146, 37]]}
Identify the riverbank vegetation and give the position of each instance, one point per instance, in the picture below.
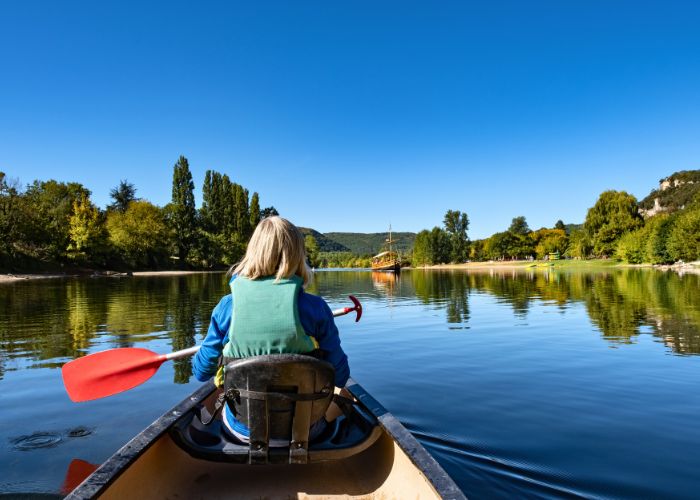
{"points": [[616, 227], [52, 225]]}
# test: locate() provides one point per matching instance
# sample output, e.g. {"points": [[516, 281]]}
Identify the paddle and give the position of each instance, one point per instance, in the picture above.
{"points": [[113, 371]]}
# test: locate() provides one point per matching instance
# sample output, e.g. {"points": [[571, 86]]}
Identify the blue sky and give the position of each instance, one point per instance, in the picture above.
{"points": [[348, 116]]}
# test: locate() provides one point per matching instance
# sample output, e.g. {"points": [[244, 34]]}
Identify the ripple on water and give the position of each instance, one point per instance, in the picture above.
{"points": [[37, 440], [78, 432]]}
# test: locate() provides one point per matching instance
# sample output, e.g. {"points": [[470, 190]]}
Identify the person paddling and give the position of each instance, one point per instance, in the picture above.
{"points": [[269, 312]]}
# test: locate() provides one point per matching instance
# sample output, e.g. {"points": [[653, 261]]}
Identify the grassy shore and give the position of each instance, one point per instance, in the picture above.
{"points": [[583, 265]]}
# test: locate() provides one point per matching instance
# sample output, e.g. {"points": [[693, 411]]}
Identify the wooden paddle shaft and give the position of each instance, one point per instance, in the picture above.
{"points": [[192, 350]]}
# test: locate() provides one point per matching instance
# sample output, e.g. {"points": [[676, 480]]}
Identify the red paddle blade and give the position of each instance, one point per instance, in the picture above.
{"points": [[109, 372], [78, 470]]}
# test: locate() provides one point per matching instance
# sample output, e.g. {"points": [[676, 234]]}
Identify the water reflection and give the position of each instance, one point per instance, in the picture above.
{"points": [[621, 303], [44, 324]]}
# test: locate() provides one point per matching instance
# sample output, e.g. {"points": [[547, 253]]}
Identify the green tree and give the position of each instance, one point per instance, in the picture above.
{"points": [[580, 246], [631, 247], [421, 249], [11, 221], [122, 195], [456, 224], [140, 234], [476, 250], [658, 232], [519, 226], [311, 247], [88, 235], [684, 237], [254, 211], [614, 214], [560, 225], [440, 246], [504, 245], [182, 210], [548, 241], [268, 212], [47, 225], [242, 213]]}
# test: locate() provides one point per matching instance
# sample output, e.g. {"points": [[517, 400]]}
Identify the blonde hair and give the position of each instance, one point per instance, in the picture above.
{"points": [[275, 249]]}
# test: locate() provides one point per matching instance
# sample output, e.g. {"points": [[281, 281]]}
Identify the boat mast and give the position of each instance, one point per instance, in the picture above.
{"points": [[390, 241]]}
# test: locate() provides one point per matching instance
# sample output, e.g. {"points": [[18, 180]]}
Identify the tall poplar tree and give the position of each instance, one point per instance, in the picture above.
{"points": [[183, 215], [254, 211], [242, 215], [205, 211]]}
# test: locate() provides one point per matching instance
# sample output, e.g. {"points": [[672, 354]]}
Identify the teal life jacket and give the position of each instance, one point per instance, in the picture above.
{"points": [[265, 318]]}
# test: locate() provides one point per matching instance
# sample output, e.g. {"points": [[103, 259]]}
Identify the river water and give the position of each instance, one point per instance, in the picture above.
{"points": [[521, 384]]}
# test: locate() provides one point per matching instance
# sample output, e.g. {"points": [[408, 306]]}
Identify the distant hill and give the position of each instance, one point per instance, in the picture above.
{"points": [[325, 244], [674, 193], [373, 243]]}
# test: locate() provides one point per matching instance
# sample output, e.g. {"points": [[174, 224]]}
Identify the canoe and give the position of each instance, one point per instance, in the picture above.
{"points": [[387, 462]]}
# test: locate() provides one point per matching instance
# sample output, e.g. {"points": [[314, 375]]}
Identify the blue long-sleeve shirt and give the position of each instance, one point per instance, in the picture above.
{"points": [[316, 319]]}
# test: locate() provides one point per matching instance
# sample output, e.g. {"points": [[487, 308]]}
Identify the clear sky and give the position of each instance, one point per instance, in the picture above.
{"points": [[347, 116]]}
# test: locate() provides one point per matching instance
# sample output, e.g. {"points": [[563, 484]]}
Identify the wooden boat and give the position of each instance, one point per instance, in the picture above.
{"points": [[388, 260], [388, 463]]}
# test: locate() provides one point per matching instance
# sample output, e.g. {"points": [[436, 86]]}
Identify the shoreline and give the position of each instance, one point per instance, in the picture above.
{"points": [[15, 277], [519, 265], [596, 264]]}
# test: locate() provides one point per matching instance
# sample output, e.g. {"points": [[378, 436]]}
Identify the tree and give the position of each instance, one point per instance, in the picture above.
{"points": [[268, 212], [311, 247], [476, 250], [519, 226], [580, 246], [684, 238], [659, 229], [242, 213], [631, 246], [502, 245], [456, 224], [122, 195], [11, 218], [421, 249], [206, 215], [548, 241], [47, 225], [182, 210], [439, 246], [254, 211], [560, 225], [614, 214], [140, 234], [87, 232]]}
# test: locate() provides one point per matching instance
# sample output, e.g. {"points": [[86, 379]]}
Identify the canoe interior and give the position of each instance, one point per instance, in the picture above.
{"points": [[165, 471], [153, 466]]}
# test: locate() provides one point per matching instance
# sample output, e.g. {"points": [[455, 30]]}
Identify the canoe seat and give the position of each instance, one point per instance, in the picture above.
{"points": [[277, 397]]}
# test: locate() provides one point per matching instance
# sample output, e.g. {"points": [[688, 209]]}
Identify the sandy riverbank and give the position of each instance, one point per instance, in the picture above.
{"points": [[9, 278], [172, 273]]}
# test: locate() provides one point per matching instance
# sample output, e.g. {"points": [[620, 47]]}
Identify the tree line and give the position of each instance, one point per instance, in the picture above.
{"points": [[50, 224], [613, 228]]}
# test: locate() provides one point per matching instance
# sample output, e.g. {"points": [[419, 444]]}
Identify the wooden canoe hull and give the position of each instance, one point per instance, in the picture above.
{"points": [[153, 466]]}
